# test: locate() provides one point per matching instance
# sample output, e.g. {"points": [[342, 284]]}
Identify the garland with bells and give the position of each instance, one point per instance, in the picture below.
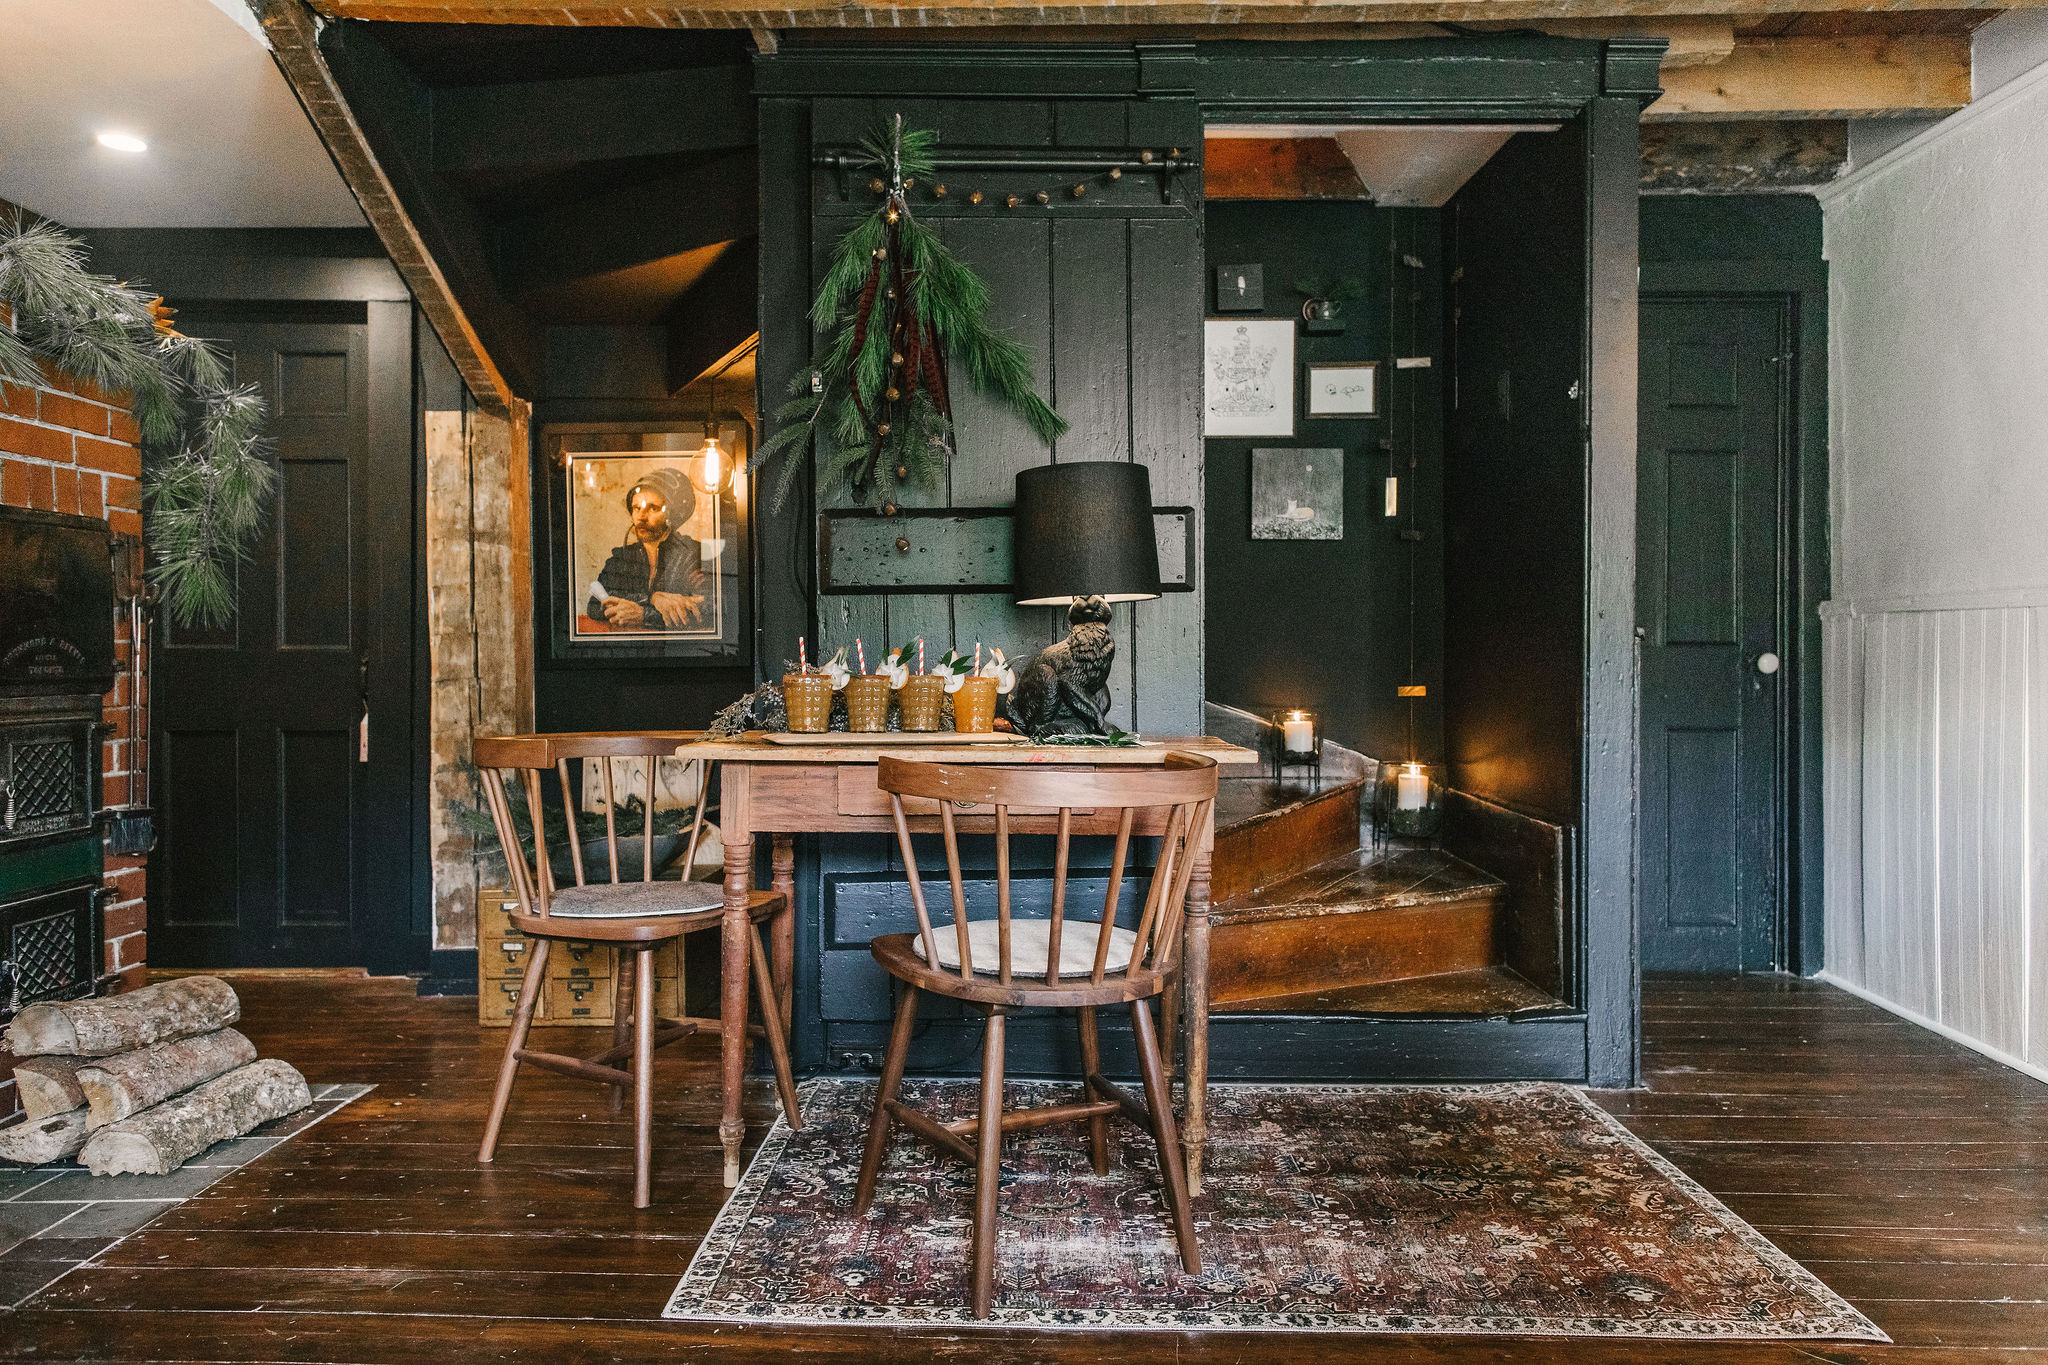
{"points": [[206, 478], [894, 307]]}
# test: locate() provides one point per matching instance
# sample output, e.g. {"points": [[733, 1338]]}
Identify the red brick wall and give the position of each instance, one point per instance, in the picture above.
{"points": [[71, 448]]}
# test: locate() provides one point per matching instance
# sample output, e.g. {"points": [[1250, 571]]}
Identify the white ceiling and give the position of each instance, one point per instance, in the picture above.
{"points": [[1404, 165], [228, 144]]}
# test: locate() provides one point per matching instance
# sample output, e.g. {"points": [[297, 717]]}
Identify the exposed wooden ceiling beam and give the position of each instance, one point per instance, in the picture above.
{"points": [[294, 42], [1861, 77], [876, 14]]}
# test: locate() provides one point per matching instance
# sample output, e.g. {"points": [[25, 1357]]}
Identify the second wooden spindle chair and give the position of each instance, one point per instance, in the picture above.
{"points": [[1004, 965], [634, 917]]}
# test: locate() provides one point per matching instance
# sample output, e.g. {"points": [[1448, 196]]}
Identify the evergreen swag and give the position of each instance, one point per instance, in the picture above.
{"points": [[205, 475], [894, 305]]}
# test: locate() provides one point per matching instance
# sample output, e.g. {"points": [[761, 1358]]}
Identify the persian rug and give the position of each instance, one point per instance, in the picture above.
{"points": [[1519, 1209]]}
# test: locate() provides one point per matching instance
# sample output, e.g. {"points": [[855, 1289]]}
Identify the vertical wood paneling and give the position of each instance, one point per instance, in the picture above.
{"points": [[2036, 865], [1936, 778], [1902, 943], [1842, 793], [1166, 377], [1981, 829]]}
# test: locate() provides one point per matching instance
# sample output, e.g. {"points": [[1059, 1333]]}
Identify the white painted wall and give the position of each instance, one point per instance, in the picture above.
{"points": [[1936, 645]]}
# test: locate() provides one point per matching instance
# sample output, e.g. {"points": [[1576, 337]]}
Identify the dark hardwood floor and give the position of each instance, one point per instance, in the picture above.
{"points": [[1909, 1173]]}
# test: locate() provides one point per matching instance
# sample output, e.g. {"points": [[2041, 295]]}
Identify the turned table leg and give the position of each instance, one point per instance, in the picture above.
{"points": [[1195, 1010], [782, 929], [735, 936]]}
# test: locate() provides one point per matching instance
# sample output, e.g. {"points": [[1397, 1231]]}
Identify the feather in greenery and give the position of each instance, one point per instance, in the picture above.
{"points": [[894, 308], [206, 475]]}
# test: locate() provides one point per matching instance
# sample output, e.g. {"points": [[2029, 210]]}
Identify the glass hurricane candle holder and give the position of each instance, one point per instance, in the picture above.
{"points": [[1294, 739], [1409, 801]]}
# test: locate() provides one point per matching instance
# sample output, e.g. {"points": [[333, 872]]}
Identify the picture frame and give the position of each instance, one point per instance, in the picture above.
{"points": [[1347, 388], [614, 488], [1248, 377], [1298, 494]]}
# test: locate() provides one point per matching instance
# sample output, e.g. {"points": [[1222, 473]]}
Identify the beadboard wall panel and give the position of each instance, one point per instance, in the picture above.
{"points": [[1937, 780]]}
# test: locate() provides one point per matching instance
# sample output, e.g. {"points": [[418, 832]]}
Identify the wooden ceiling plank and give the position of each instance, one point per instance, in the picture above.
{"points": [[863, 14], [1862, 77]]}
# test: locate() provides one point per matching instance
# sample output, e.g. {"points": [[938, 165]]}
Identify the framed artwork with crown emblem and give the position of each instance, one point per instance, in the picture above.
{"points": [[1248, 377]]}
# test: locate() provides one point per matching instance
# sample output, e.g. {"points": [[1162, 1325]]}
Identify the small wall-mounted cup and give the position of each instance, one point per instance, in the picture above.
{"points": [[867, 704], [920, 697], [808, 699], [974, 707]]}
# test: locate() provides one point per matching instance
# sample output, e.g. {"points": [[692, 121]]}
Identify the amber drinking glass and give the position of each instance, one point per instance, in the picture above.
{"points": [[974, 707], [867, 704], [919, 697], [808, 699]]}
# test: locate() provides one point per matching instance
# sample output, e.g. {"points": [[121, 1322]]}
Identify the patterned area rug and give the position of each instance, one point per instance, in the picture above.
{"points": [[1510, 1209]]}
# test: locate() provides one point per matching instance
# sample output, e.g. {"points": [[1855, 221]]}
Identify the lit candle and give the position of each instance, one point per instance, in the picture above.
{"points": [[1411, 787], [1298, 733]]}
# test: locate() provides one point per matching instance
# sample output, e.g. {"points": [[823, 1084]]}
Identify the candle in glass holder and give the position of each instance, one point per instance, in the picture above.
{"points": [[1298, 733], [1411, 787]]}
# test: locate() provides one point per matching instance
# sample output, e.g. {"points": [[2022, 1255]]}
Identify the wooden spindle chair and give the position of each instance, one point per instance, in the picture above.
{"points": [[634, 917], [1001, 966]]}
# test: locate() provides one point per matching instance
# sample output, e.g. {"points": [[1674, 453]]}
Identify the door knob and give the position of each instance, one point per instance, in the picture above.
{"points": [[1767, 663]]}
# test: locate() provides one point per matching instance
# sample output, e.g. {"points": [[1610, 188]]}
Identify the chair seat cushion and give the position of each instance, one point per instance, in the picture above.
{"points": [[1030, 939], [636, 900]]}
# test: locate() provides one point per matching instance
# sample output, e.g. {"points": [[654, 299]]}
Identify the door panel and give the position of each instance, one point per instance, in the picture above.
{"points": [[271, 851], [1708, 566]]}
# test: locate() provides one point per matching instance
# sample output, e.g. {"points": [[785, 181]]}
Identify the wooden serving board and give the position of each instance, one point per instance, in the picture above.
{"points": [[925, 738]]}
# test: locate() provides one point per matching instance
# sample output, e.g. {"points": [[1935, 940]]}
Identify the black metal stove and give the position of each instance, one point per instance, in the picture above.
{"points": [[56, 664]]}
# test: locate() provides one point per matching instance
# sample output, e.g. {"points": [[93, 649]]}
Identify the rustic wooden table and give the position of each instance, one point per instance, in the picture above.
{"points": [[783, 789]]}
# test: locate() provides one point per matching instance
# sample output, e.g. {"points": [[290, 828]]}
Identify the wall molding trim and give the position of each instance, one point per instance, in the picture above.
{"points": [[1959, 122], [1971, 599], [2039, 1073]]}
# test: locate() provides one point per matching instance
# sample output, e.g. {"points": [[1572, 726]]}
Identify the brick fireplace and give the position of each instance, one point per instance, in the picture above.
{"points": [[68, 447]]}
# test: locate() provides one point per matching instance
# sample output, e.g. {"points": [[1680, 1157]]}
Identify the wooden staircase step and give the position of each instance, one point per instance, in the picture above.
{"points": [[1359, 919], [1486, 991], [1268, 831]]}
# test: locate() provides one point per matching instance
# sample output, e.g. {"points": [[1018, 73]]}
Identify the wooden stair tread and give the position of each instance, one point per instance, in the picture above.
{"points": [[1245, 801], [1362, 881], [1487, 991], [1268, 831]]}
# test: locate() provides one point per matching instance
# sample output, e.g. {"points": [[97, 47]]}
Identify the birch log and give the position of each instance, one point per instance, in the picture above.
{"points": [[159, 1140], [48, 1085], [122, 1023], [115, 1087], [40, 1140]]}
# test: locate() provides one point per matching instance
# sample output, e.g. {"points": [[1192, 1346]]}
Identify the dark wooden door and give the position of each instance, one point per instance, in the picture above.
{"points": [[284, 816], [1708, 577]]}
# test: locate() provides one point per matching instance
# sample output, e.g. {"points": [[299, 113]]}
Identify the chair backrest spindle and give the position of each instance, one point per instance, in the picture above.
{"points": [[1181, 790], [569, 810]]}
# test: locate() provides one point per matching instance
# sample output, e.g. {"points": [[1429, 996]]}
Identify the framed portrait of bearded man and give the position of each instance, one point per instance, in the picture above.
{"points": [[650, 560]]}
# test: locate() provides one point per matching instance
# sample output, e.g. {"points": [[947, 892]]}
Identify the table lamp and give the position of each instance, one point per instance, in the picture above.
{"points": [[1083, 532]]}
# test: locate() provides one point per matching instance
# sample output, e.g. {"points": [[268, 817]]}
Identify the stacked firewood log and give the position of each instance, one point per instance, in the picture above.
{"points": [[141, 1083]]}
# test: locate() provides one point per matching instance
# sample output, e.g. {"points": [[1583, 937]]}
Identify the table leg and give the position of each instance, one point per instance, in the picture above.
{"points": [[1194, 1130], [735, 936], [782, 929]]}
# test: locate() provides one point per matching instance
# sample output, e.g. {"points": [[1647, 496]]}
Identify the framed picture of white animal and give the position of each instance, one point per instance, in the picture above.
{"points": [[1248, 377], [1297, 495]]}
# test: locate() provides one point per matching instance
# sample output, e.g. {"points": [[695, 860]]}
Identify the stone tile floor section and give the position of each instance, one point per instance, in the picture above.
{"points": [[55, 1218]]}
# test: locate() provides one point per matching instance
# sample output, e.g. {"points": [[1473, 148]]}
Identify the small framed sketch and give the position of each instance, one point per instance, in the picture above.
{"points": [[1248, 377], [1297, 495], [1349, 389]]}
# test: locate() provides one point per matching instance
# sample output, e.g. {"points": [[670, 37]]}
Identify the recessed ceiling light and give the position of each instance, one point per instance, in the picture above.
{"points": [[122, 142]]}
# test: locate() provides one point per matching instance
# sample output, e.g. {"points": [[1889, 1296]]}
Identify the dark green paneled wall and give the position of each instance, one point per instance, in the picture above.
{"points": [[1338, 625]]}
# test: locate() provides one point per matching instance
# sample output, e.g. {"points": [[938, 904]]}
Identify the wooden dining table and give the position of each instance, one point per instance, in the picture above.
{"points": [[785, 785]]}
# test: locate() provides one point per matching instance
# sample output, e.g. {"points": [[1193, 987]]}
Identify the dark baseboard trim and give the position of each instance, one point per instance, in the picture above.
{"points": [[1276, 1048], [450, 971]]}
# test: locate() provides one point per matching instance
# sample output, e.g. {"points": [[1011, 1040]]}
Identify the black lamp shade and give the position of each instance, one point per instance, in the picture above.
{"points": [[1082, 529]]}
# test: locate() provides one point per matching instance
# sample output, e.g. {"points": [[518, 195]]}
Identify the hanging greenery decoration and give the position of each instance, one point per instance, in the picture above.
{"points": [[894, 306], [205, 477]]}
